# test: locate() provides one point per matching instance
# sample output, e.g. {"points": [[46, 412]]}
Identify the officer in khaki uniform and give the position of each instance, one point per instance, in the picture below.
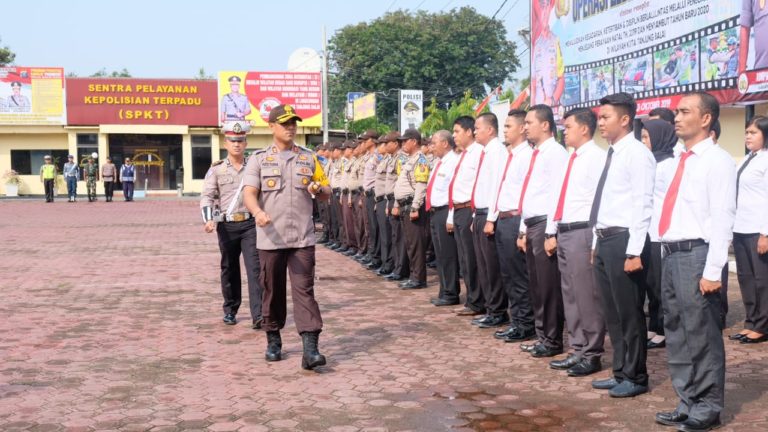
{"points": [[372, 259], [281, 182], [347, 215], [355, 185], [332, 172], [380, 208], [337, 185], [410, 191], [401, 266], [221, 202]]}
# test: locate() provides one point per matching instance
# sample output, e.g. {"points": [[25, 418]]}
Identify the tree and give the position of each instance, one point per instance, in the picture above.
{"points": [[202, 75], [443, 54], [6, 55], [438, 118], [360, 126], [102, 73]]}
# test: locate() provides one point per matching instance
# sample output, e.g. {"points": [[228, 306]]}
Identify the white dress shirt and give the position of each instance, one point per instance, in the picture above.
{"points": [[628, 192], [582, 184], [440, 179], [665, 172], [489, 176], [752, 206], [465, 177], [509, 194], [706, 204], [546, 178]]}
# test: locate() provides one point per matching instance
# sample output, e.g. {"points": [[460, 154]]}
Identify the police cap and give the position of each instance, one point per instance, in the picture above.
{"points": [[282, 114], [236, 130]]}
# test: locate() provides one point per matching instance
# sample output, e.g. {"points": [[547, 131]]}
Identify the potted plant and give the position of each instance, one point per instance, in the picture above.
{"points": [[12, 183]]}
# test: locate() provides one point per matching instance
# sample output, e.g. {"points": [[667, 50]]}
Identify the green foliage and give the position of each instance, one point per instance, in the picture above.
{"points": [[202, 75], [6, 56], [443, 54], [360, 126], [438, 118], [102, 73]]}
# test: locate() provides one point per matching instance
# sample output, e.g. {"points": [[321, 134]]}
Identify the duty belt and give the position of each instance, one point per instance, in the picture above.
{"points": [[378, 199], [531, 221], [460, 206], [370, 193], [610, 231], [565, 227], [508, 214], [345, 190], [336, 190], [237, 217], [405, 202], [681, 246], [390, 197], [434, 209]]}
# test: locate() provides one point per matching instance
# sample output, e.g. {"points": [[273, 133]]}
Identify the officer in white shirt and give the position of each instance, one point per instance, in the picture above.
{"points": [[621, 213], [512, 263], [695, 227], [573, 245]]}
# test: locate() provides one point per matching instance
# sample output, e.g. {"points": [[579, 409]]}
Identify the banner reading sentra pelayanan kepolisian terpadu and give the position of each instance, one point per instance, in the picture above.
{"points": [[583, 50], [252, 95]]}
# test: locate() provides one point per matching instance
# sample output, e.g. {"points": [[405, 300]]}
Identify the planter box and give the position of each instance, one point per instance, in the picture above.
{"points": [[11, 190]]}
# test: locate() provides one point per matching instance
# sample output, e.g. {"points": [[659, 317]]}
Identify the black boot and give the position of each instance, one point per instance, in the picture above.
{"points": [[312, 357], [274, 345]]}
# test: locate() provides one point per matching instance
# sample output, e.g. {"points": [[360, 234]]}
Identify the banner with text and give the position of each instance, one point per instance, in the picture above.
{"points": [[31, 95], [95, 101], [583, 50], [364, 107], [252, 95], [411, 112]]}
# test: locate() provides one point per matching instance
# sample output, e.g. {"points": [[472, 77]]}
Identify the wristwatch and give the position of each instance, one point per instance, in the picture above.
{"points": [[631, 256], [549, 236]]}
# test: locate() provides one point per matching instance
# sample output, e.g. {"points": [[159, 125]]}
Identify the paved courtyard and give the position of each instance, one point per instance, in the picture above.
{"points": [[110, 318]]}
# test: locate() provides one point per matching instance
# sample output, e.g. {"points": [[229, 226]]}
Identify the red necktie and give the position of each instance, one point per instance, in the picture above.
{"points": [[453, 180], [525, 183], [669, 200], [477, 176], [432, 183], [503, 177], [563, 189]]}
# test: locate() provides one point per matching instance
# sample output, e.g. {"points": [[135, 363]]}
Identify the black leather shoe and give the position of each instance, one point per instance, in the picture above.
{"points": [[737, 336], [480, 319], [693, 425], [627, 389], [331, 244], [501, 334], [393, 277], [350, 252], [586, 367], [365, 261], [520, 335], [322, 240], [257, 323], [654, 345], [542, 351], [444, 302], [432, 264], [749, 340], [341, 249], [274, 346], [373, 265], [383, 272], [529, 347], [229, 319], [495, 321], [605, 384], [412, 284], [566, 363], [358, 256], [673, 418], [468, 312]]}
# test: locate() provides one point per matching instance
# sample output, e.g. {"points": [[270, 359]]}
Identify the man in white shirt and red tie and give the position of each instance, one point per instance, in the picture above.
{"points": [[537, 202], [483, 202], [573, 246], [695, 227], [459, 219], [446, 254], [512, 266], [621, 214]]}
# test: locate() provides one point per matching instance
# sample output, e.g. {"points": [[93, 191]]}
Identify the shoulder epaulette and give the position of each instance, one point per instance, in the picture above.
{"points": [[218, 162]]}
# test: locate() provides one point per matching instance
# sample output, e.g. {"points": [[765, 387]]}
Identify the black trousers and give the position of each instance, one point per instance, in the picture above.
{"points": [[48, 184], [237, 238], [651, 287], [399, 254], [335, 217], [385, 236], [623, 308], [488, 269], [752, 271], [462, 222], [514, 272], [546, 292], [324, 211], [372, 228], [109, 189], [415, 234], [299, 264], [348, 216], [446, 254]]}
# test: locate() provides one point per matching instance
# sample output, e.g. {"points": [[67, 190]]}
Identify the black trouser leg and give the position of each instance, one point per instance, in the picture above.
{"points": [[488, 269], [514, 272], [462, 221], [252, 267], [385, 236], [447, 256], [230, 238]]}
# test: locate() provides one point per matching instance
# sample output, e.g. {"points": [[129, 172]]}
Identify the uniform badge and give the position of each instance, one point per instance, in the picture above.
{"points": [[305, 181], [274, 149], [270, 159], [302, 157], [275, 171], [271, 183]]}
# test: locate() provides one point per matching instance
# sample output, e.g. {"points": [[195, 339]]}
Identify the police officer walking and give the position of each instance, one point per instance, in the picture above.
{"points": [[280, 184], [236, 230]]}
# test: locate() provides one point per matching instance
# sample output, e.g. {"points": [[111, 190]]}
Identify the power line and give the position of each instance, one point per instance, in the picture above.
{"points": [[390, 6]]}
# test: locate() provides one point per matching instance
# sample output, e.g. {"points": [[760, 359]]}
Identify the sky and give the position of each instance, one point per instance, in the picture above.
{"points": [[174, 38]]}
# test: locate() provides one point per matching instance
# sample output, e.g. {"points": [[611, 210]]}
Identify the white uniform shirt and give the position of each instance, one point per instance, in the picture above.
{"points": [[465, 177], [706, 204], [628, 192], [665, 172], [440, 179], [752, 206], [582, 184], [546, 178], [509, 194], [489, 177]]}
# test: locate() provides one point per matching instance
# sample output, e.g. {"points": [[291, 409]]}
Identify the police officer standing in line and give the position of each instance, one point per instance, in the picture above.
{"points": [[323, 207], [91, 174], [402, 265], [410, 191], [372, 260], [347, 212], [281, 182], [355, 185], [381, 202], [221, 202], [337, 222]]}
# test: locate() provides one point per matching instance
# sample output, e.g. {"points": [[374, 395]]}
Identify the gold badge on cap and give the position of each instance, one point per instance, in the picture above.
{"points": [[289, 110], [271, 183], [305, 181]]}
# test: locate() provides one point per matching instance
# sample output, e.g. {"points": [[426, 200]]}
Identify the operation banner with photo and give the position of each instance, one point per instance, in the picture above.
{"points": [[31, 95], [583, 50], [252, 95]]}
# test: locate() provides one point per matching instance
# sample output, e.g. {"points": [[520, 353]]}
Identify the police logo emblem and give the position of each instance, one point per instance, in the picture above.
{"points": [[237, 128], [289, 110], [271, 183], [305, 181], [302, 157], [270, 159]]}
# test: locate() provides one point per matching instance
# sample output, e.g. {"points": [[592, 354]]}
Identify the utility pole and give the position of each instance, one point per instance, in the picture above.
{"points": [[325, 87]]}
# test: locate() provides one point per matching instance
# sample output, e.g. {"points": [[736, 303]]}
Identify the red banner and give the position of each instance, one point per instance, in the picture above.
{"points": [[95, 101]]}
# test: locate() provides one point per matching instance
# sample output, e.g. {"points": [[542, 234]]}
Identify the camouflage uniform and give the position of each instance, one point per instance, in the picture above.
{"points": [[91, 173]]}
